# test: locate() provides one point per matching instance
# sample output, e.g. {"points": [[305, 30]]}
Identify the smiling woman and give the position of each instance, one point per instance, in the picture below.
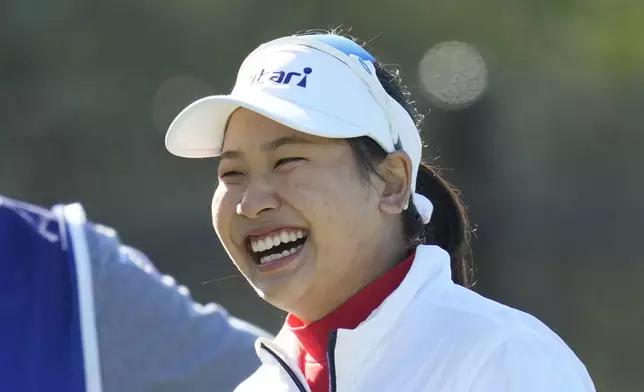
{"points": [[281, 182], [324, 206]]}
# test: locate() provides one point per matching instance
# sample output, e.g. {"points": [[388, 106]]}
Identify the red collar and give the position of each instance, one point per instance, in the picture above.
{"points": [[314, 337]]}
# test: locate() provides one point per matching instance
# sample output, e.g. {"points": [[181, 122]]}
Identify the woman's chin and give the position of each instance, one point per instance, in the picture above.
{"points": [[284, 286]]}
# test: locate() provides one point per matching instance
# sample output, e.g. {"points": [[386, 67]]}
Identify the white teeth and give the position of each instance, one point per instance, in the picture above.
{"points": [[269, 241], [260, 245], [273, 257]]}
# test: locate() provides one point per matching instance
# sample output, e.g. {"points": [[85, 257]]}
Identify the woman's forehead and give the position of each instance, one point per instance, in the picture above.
{"points": [[247, 129]]}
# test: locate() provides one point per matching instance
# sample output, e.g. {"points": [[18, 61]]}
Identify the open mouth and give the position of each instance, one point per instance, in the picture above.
{"points": [[276, 245]]}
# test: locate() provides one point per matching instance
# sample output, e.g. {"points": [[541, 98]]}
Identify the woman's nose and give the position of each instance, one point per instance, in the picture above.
{"points": [[258, 197]]}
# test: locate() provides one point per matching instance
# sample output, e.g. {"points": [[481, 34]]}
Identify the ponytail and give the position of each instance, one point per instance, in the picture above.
{"points": [[449, 226]]}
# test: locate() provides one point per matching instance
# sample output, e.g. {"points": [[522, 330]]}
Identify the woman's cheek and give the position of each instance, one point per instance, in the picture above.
{"points": [[312, 178], [222, 208], [217, 196], [300, 186]]}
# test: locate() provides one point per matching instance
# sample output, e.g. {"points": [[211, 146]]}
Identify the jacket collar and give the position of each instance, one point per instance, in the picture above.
{"points": [[430, 271]]}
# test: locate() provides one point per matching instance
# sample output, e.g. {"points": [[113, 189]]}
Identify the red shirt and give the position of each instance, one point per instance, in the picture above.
{"points": [[313, 338]]}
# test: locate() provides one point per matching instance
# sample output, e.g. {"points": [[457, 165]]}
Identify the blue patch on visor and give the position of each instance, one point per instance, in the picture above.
{"points": [[344, 45]]}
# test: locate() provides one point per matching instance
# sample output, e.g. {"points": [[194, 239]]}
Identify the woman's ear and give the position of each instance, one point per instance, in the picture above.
{"points": [[395, 171]]}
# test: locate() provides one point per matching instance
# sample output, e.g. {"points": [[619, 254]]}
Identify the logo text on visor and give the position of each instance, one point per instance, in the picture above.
{"points": [[281, 77]]}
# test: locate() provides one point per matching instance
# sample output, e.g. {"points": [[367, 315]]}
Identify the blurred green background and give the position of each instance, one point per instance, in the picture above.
{"points": [[549, 158]]}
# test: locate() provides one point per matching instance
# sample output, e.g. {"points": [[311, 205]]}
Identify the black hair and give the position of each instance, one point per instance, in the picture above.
{"points": [[449, 226]]}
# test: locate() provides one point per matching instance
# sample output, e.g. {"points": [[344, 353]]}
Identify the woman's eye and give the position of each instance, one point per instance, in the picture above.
{"points": [[230, 174], [287, 160]]}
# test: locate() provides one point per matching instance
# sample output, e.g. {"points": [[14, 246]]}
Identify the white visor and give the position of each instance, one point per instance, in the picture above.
{"points": [[312, 87]]}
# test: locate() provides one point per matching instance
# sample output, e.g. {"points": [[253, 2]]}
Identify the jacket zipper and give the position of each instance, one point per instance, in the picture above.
{"points": [[288, 369], [330, 352]]}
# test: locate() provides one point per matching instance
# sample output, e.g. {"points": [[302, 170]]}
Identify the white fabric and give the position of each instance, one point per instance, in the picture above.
{"points": [[73, 216], [328, 94], [424, 207], [431, 335]]}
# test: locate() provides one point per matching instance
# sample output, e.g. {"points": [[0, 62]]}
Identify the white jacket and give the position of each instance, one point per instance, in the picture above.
{"points": [[431, 335]]}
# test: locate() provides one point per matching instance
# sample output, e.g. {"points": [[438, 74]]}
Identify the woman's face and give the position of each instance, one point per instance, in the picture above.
{"points": [[295, 216]]}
